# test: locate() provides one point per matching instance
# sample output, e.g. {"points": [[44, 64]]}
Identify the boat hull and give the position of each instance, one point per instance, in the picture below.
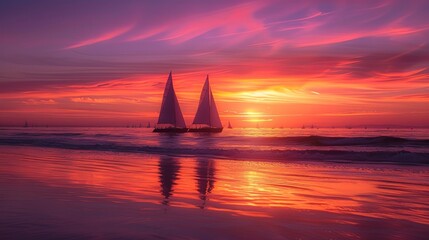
{"points": [[171, 130], [211, 130]]}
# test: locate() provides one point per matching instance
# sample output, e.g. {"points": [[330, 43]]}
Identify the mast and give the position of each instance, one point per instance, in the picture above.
{"points": [[210, 95], [214, 114]]}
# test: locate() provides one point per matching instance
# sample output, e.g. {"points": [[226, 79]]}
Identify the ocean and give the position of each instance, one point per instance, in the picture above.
{"points": [[130, 183]]}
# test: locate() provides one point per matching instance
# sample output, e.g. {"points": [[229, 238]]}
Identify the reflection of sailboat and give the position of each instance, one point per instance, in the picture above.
{"points": [[168, 174], [205, 177], [170, 117], [229, 125], [207, 117]]}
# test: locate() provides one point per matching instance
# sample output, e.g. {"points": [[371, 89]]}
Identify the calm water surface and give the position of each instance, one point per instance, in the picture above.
{"points": [[56, 193]]}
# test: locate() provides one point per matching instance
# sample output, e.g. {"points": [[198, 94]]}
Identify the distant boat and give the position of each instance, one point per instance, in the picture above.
{"points": [[207, 117], [148, 125], [26, 124], [229, 125], [170, 117]]}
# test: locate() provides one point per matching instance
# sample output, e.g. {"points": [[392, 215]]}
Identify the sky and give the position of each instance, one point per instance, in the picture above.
{"points": [[272, 63]]}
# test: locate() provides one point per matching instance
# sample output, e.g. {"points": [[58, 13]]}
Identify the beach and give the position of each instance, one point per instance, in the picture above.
{"points": [[61, 192]]}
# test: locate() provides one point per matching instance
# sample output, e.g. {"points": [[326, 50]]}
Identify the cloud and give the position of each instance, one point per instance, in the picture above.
{"points": [[106, 100], [39, 101], [101, 38], [350, 36], [148, 33], [236, 20]]}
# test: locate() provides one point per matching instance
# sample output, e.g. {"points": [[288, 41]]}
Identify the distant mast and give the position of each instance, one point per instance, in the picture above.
{"points": [[229, 125], [170, 117], [207, 117]]}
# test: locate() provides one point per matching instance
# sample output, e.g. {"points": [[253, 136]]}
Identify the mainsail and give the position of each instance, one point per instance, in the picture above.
{"points": [[207, 115], [170, 116]]}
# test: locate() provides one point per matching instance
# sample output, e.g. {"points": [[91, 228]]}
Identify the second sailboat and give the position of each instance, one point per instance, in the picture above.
{"points": [[207, 117]]}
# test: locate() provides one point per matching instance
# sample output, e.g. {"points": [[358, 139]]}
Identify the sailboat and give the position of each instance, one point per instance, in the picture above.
{"points": [[229, 125], [170, 117], [207, 117]]}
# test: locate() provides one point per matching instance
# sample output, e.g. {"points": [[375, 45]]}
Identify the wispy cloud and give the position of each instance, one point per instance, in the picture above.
{"points": [[33, 101], [101, 100], [237, 20], [101, 38]]}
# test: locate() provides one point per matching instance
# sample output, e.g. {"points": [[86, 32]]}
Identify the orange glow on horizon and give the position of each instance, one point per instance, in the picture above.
{"points": [[271, 102]]}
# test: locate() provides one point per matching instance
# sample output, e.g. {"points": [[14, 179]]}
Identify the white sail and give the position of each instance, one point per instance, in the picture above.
{"points": [[207, 113], [170, 114]]}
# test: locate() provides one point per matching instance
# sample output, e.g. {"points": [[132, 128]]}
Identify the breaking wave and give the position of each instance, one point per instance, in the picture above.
{"points": [[383, 149]]}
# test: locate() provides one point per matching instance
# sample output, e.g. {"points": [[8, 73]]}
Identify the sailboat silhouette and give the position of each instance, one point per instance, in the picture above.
{"points": [[207, 117], [229, 125], [170, 117]]}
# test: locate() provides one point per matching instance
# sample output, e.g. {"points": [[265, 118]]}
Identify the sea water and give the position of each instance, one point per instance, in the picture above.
{"points": [[107, 183]]}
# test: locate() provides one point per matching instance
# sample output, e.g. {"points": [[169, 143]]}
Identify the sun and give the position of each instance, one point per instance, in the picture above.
{"points": [[255, 116]]}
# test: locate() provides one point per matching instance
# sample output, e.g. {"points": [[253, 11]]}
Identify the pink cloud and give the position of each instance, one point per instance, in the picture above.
{"points": [[239, 20], [33, 101], [348, 36], [101, 38], [105, 100], [148, 33]]}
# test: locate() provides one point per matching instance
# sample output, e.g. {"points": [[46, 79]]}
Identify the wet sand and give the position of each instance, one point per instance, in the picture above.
{"points": [[49, 193]]}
